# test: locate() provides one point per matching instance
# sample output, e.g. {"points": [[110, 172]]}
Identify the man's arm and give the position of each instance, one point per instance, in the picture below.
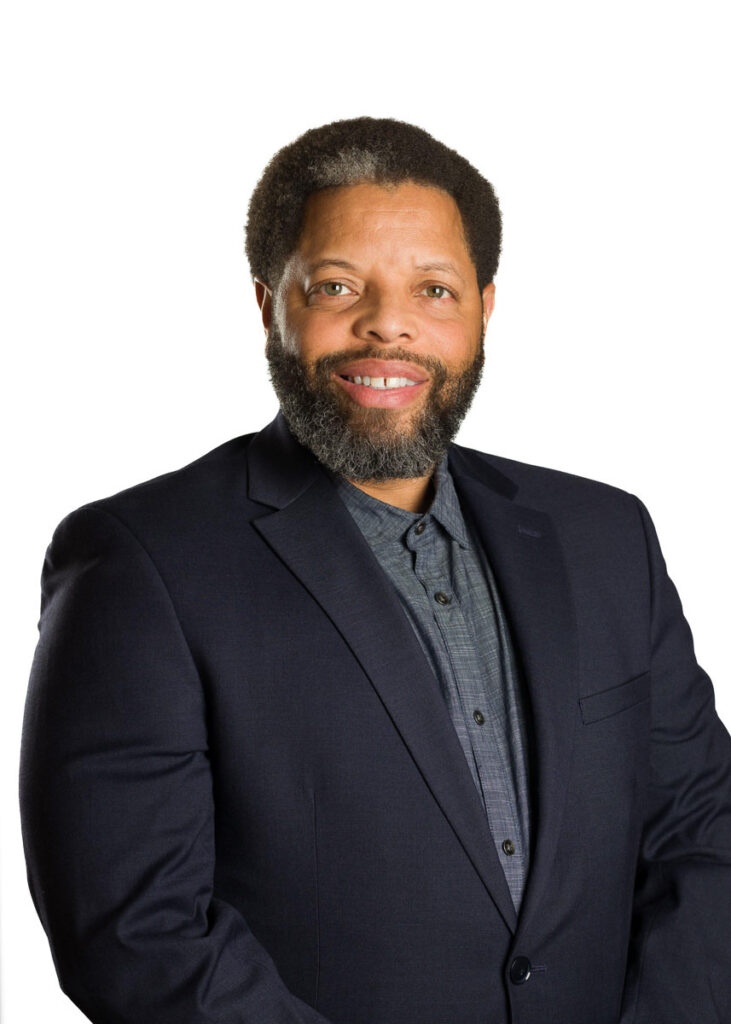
{"points": [[117, 801], [680, 966]]}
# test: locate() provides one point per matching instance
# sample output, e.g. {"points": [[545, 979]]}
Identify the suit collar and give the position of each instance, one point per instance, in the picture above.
{"points": [[464, 463], [280, 468]]}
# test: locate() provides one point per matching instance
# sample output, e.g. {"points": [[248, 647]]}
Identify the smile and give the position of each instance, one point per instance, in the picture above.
{"points": [[382, 383], [376, 390]]}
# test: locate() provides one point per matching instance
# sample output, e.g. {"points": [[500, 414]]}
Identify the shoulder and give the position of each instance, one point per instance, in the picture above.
{"points": [[587, 516], [551, 490], [604, 532], [193, 499], [205, 477]]}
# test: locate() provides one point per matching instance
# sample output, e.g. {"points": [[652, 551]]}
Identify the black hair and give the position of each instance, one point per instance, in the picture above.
{"points": [[365, 149]]}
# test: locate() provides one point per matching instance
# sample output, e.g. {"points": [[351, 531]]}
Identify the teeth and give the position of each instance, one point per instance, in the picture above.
{"points": [[382, 383]]}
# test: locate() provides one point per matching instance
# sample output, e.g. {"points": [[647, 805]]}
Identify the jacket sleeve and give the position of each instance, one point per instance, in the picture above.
{"points": [[680, 964], [116, 800]]}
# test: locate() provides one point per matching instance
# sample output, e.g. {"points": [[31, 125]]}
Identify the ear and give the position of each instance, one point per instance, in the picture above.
{"points": [[488, 302], [264, 300]]}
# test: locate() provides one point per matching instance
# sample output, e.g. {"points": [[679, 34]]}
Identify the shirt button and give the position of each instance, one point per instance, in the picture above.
{"points": [[508, 847], [478, 716], [441, 598], [418, 530], [520, 970]]}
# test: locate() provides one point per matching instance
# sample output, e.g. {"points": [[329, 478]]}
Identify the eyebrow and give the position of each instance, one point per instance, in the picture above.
{"points": [[444, 268], [423, 268], [328, 262]]}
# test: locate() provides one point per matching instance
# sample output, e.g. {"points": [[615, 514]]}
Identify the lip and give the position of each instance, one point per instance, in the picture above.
{"points": [[392, 398], [383, 368]]}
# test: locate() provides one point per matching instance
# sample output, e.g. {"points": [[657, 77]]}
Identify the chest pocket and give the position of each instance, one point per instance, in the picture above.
{"points": [[610, 702]]}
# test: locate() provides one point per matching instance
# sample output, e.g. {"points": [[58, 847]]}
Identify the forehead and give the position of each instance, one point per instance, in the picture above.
{"points": [[382, 216]]}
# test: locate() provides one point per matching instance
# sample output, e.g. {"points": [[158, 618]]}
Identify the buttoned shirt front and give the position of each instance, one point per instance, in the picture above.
{"points": [[448, 592]]}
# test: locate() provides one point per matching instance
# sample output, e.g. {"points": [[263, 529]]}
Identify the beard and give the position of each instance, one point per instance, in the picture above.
{"points": [[363, 443]]}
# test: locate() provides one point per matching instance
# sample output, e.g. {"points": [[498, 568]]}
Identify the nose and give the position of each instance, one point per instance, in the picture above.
{"points": [[386, 318]]}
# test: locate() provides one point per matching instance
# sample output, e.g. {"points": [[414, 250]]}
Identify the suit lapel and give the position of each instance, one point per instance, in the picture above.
{"points": [[524, 553], [313, 534]]}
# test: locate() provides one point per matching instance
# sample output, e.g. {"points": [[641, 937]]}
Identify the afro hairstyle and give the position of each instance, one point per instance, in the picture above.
{"points": [[364, 149]]}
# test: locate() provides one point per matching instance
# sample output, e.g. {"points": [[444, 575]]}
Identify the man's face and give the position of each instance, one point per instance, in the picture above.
{"points": [[375, 331]]}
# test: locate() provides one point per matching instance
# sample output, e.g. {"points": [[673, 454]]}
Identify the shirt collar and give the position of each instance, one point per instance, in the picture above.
{"points": [[384, 523], [445, 506]]}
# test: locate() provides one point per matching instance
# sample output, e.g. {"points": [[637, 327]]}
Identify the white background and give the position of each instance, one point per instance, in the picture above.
{"points": [[133, 135]]}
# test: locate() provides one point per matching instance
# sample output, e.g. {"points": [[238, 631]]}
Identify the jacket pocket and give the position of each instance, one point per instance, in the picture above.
{"points": [[619, 698]]}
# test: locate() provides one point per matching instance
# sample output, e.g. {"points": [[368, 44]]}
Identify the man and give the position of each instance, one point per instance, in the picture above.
{"points": [[346, 723]]}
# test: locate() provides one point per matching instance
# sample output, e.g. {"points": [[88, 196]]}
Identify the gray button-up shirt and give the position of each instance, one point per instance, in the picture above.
{"points": [[448, 592]]}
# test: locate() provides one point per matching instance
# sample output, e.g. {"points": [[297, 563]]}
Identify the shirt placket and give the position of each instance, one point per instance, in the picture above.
{"points": [[483, 737]]}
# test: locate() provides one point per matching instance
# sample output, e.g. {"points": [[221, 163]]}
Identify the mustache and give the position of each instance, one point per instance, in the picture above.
{"points": [[332, 361]]}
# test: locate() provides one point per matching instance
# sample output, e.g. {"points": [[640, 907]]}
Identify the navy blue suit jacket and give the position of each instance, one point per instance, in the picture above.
{"points": [[244, 801]]}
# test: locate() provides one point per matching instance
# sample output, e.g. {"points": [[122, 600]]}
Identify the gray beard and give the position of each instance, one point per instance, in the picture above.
{"points": [[361, 443]]}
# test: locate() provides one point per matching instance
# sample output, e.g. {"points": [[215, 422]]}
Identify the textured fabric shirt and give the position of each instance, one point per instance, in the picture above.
{"points": [[448, 592]]}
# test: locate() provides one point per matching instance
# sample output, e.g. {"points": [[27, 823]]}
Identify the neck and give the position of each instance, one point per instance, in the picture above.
{"points": [[414, 494]]}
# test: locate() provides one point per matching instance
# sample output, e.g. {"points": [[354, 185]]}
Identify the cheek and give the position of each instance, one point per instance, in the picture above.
{"points": [[456, 342], [312, 336]]}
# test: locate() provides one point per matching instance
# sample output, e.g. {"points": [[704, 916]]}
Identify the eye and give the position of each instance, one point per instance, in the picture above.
{"points": [[333, 289], [437, 291]]}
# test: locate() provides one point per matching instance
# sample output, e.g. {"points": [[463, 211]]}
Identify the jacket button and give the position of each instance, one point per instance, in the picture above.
{"points": [[520, 970]]}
